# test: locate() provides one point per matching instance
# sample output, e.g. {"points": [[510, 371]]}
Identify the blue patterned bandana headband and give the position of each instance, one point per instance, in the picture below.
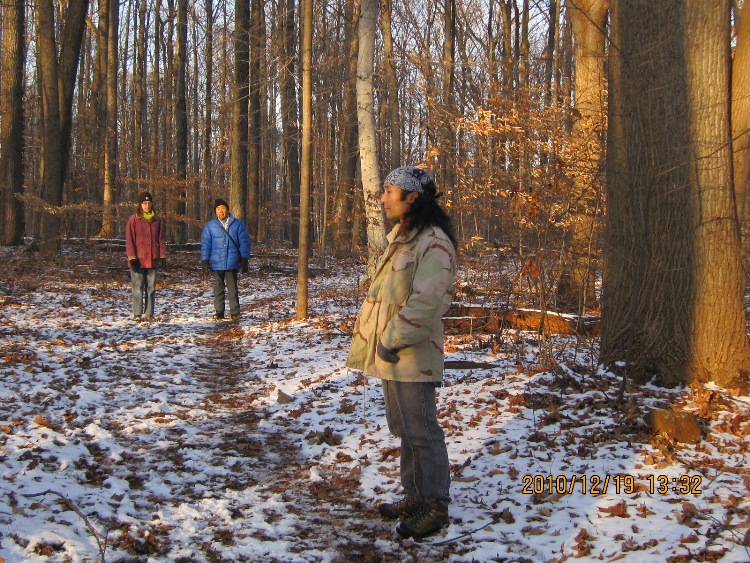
{"points": [[409, 178]]}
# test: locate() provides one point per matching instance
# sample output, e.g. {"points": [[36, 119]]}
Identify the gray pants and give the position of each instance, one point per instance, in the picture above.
{"points": [[411, 413], [144, 286], [228, 278]]}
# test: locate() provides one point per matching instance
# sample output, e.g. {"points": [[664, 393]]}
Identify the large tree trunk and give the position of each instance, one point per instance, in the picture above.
{"points": [[57, 86], [51, 142], [741, 111], [367, 137], [11, 132], [673, 281]]}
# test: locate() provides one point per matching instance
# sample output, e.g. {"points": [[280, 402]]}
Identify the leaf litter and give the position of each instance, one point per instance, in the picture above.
{"points": [[193, 440]]}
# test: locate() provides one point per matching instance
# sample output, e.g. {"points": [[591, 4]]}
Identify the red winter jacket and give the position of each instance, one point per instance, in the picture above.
{"points": [[145, 240]]}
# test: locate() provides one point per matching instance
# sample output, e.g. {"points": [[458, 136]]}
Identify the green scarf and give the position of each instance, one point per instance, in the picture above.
{"points": [[148, 216]]}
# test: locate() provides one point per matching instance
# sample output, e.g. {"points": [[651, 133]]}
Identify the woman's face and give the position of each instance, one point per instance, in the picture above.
{"points": [[146, 206], [394, 206]]}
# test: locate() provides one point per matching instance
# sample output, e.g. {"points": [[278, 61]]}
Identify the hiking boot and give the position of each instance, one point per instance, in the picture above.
{"points": [[149, 318], [407, 506], [235, 318], [431, 517], [137, 318], [218, 316]]}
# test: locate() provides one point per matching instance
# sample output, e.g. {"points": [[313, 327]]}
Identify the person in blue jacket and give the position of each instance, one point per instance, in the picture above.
{"points": [[225, 249]]}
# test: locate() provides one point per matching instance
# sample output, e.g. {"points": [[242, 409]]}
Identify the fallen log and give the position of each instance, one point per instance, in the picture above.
{"points": [[462, 319]]}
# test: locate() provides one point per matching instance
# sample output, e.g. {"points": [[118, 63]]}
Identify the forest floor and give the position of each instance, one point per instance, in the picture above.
{"points": [[187, 439]]}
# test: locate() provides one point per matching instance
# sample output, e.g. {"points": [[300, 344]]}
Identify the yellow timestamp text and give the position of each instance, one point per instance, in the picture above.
{"points": [[618, 483]]}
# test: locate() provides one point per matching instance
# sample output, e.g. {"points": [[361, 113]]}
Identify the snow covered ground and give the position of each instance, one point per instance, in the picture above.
{"points": [[190, 440]]}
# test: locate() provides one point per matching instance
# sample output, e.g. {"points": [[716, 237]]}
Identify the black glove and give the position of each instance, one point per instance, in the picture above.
{"points": [[163, 262], [206, 266], [135, 264], [243, 265], [386, 354]]}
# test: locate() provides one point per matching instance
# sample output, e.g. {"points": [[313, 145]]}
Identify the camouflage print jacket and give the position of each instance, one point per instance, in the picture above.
{"points": [[411, 290]]}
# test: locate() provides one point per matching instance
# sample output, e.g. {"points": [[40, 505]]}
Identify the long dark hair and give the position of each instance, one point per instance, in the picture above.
{"points": [[426, 212]]}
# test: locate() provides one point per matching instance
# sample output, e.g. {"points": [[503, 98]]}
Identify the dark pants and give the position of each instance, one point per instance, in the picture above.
{"points": [[411, 413], [226, 278], [144, 286]]}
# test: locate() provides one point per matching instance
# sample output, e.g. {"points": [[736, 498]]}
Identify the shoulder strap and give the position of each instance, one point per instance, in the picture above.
{"points": [[226, 232]]}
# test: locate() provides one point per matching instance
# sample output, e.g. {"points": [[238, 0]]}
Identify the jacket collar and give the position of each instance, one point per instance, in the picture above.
{"points": [[393, 235]]}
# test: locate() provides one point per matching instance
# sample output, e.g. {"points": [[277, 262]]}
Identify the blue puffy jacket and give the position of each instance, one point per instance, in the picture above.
{"points": [[216, 246]]}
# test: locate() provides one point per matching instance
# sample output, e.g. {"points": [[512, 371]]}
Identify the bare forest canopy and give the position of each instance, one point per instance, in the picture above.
{"points": [[484, 104]]}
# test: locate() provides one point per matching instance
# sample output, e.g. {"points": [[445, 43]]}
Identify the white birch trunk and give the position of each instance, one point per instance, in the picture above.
{"points": [[367, 142]]}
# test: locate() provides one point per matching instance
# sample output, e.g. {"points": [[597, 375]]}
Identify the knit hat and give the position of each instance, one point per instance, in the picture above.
{"points": [[410, 179], [219, 202], [145, 196]]}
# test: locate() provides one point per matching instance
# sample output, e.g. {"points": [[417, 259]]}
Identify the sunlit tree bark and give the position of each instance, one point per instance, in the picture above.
{"points": [[12, 123], [306, 168], [367, 133], [673, 306], [741, 111], [576, 290]]}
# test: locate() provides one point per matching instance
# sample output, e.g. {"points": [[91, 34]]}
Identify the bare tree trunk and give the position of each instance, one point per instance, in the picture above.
{"points": [[207, 129], [179, 230], [306, 169], [741, 111], [447, 129], [12, 123], [57, 87], [343, 206], [157, 110], [343, 203], [289, 117], [257, 39], [110, 131], [393, 110], [139, 94], [367, 137], [70, 55], [576, 290], [673, 290], [241, 88]]}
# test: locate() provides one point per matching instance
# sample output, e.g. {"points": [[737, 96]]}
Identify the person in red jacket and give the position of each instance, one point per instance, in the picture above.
{"points": [[147, 249]]}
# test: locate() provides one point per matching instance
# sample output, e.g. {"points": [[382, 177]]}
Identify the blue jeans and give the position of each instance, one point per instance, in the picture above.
{"points": [[228, 278], [144, 285], [411, 413]]}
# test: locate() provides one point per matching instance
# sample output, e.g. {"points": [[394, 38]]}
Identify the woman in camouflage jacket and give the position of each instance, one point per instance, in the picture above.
{"points": [[398, 338]]}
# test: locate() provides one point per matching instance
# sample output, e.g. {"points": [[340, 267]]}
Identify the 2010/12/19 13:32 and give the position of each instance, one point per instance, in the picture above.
{"points": [[619, 483]]}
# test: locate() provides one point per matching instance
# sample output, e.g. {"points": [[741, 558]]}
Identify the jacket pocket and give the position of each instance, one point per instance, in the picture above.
{"points": [[397, 287]]}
